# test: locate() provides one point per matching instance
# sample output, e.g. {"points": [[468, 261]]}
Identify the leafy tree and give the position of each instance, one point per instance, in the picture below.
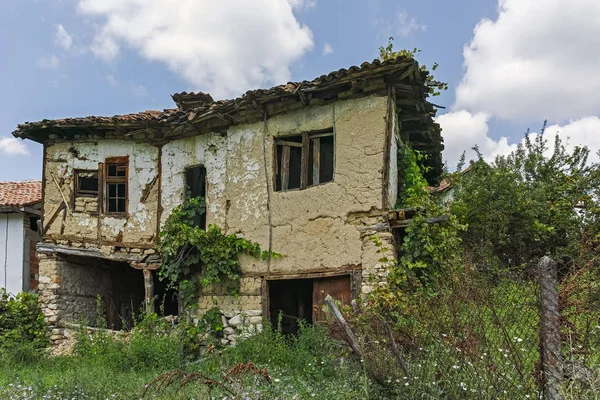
{"points": [[538, 200]]}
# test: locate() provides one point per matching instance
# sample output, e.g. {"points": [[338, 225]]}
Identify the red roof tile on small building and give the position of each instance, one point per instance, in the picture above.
{"points": [[20, 194]]}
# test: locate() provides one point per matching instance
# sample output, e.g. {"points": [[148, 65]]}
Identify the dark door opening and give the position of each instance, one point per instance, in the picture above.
{"points": [[293, 299], [166, 298], [195, 180]]}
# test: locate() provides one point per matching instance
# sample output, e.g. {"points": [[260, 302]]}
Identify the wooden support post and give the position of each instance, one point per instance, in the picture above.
{"points": [[316, 160], [285, 167], [350, 338], [149, 291]]}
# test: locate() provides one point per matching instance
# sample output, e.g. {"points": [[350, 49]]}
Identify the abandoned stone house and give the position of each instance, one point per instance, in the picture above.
{"points": [[308, 170]]}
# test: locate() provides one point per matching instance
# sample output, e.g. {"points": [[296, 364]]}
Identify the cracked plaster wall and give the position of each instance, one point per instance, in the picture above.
{"points": [[62, 159], [311, 227]]}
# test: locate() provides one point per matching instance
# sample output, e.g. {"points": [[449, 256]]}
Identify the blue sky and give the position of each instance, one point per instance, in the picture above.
{"points": [[67, 58]]}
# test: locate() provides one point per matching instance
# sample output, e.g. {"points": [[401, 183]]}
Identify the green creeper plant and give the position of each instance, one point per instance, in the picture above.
{"points": [[195, 258]]}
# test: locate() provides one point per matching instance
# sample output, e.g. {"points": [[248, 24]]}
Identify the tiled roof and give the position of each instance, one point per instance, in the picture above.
{"points": [[19, 194], [203, 104]]}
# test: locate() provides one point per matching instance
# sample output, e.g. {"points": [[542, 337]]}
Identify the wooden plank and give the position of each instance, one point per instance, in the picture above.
{"points": [[288, 143], [49, 248], [337, 287], [61, 193], [350, 338], [304, 158], [308, 274], [51, 220], [316, 160], [264, 291], [320, 135], [285, 167], [148, 291]]}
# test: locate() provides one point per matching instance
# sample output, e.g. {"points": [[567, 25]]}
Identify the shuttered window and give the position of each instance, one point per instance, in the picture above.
{"points": [[304, 160]]}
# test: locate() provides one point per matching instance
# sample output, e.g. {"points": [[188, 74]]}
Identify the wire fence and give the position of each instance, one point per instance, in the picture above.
{"points": [[515, 334]]}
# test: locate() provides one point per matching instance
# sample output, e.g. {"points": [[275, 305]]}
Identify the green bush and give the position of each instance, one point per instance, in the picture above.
{"points": [[23, 331]]}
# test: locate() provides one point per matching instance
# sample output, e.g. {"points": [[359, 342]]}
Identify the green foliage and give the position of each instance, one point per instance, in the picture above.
{"points": [[412, 185], [23, 331], [388, 52], [428, 251], [523, 206], [304, 366], [194, 257]]}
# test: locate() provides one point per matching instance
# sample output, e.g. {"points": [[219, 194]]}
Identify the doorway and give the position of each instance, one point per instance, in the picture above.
{"points": [[302, 300]]}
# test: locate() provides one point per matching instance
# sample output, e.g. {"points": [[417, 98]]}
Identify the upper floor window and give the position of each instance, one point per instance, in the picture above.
{"points": [[86, 183], [304, 160], [115, 177]]}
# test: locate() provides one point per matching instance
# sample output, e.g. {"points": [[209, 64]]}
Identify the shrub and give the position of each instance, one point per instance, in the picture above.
{"points": [[23, 331]]}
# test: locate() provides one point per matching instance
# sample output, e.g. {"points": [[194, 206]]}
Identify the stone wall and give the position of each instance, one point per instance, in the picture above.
{"points": [[68, 289]]}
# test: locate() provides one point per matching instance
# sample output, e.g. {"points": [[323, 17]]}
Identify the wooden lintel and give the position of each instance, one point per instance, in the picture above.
{"points": [[144, 266], [309, 274], [50, 248]]}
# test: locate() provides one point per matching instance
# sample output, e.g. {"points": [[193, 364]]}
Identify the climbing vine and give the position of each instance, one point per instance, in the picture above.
{"points": [[430, 246], [195, 258], [412, 188]]}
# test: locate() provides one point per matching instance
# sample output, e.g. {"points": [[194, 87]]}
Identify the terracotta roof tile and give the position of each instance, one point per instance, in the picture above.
{"points": [[19, 194], [203, 103]]}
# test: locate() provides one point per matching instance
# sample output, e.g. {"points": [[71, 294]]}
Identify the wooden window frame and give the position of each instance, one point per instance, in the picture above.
{"points": [[308, 138], [86, 193], [120, 161]]}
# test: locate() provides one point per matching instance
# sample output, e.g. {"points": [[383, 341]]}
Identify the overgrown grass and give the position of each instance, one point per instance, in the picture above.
{"points": [[303, 366]]}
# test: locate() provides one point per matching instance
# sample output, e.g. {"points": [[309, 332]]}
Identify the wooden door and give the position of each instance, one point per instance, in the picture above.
{"points": [[338, 287]]}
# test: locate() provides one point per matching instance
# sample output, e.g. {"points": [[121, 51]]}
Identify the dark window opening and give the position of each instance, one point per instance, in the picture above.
{"points": [[304, 160], [33, 223], [195, 180], [116, 185], [166, 298], [86, 183], [293, 300]]}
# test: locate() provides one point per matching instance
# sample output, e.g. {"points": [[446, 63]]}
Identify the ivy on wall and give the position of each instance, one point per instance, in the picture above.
{"points": [[194, 258]]}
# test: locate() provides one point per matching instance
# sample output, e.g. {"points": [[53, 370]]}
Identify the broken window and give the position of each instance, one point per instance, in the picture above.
{"points": [[195, 181], [304, 160], [116, 185], [86, 183]]}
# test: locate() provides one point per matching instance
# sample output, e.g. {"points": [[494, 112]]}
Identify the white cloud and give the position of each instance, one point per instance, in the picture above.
{"points": [[111, 80], [407, 24], [462, 130], [48, 62], [12, 147], [63, 39], [327, 49], [537, 60], [138, 90], [220, 47], [302, 4]]}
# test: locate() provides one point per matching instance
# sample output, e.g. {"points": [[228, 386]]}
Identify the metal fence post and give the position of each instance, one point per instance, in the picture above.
{"points": [[550, 329]]}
